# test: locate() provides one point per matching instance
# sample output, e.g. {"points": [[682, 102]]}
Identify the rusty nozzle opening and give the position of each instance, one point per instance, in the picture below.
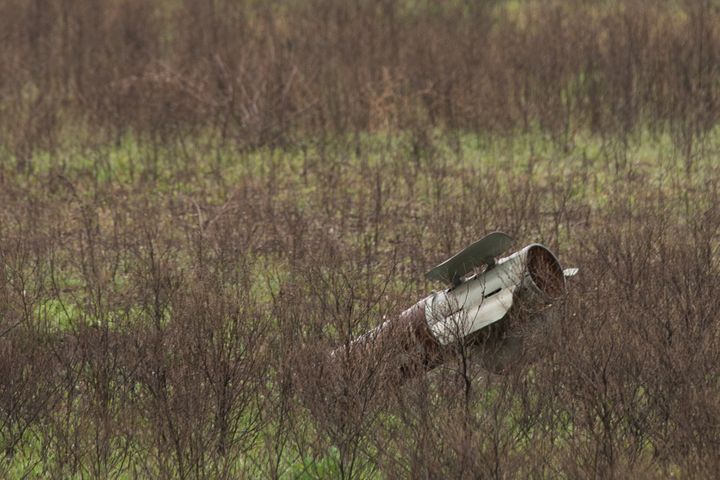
{"points": [[545, 275]]}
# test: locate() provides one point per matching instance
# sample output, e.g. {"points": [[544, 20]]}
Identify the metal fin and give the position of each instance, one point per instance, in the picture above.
{"points": [[482, 252], [570, 272]]}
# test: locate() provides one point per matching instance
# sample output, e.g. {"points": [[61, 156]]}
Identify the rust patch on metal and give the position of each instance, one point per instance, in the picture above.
{"points": [[404, 343]]}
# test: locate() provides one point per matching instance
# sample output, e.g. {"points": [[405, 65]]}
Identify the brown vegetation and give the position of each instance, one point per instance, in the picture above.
{"points": [[200, 200], [269, 72]]}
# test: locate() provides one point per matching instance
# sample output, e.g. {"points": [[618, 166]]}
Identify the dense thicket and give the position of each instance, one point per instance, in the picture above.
{"points": [[200, 200], [260, 72]]}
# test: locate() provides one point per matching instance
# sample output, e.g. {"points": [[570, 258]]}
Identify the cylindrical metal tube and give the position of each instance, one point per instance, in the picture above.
{"points": [[419, 337]]}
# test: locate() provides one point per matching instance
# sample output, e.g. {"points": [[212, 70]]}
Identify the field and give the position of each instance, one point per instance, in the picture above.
{"points": [[200, 199]]}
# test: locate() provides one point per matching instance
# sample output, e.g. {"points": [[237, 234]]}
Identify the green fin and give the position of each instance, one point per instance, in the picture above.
{"points": [[482, 252]]}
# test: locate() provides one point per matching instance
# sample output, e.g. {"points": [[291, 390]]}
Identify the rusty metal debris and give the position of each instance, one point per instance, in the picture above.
{"points": [[482, 290]]}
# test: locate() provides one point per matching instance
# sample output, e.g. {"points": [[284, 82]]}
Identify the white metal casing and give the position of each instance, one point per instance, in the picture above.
{"points": [[481, 300]]}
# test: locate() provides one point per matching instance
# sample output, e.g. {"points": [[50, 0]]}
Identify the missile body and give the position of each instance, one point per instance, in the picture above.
{"points": [[421, 336]]}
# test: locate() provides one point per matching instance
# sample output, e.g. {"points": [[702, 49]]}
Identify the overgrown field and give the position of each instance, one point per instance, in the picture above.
{"points": [[200, 199]]}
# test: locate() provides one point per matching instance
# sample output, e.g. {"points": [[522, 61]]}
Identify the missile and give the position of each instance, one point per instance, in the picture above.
{"points": [[482, 289]]}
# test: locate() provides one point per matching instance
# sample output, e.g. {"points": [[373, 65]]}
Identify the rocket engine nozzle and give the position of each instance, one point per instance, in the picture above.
{"points": [[545, 276]]}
